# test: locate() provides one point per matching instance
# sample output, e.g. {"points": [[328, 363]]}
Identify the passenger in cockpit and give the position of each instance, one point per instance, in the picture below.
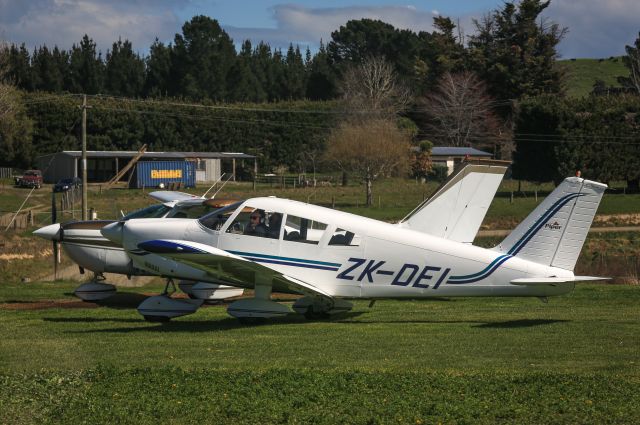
{"points": [[275, 222]]}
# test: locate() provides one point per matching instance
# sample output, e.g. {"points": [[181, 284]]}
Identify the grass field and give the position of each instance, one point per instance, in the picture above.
{"points": [[583, 73], [574, 360]]}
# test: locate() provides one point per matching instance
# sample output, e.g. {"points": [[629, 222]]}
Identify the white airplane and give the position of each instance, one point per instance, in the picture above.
{"points": [[465, 196], [85, 245], [331, 257]]}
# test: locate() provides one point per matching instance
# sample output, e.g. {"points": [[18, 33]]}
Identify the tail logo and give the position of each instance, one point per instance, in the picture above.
{"points": [[553, 226]]}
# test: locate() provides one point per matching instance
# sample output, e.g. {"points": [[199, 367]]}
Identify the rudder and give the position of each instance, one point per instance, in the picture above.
{"points": [[553, 234]]}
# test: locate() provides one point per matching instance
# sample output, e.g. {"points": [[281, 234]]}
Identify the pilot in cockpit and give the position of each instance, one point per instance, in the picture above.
{"points": [[256, 225]]}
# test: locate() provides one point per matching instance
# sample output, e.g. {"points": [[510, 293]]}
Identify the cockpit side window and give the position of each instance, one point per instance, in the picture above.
{"points": [[189, 211], [153, 211], [216, 219], [253, 221], [299, 229], [342, 237]]}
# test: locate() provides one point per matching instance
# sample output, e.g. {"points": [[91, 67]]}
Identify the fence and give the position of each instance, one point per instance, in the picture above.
{"points": [[21, 221], [65, 208], [300, 180], [6, 173]]}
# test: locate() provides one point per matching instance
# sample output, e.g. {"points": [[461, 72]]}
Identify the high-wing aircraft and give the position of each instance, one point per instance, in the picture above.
{"points": [[85, 245], [330, 257]]}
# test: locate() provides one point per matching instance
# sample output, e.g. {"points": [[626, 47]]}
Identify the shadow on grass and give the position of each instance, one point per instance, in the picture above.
{"points": [[524, 323], [194, 325], [88, 320]]}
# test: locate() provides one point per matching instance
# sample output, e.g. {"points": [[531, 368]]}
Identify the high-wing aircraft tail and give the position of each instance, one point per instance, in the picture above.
{"points": [[456, 209], [553, 234]]}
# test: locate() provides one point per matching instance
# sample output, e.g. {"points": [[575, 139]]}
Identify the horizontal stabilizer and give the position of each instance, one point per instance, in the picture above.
{"points": [[537, 281]]}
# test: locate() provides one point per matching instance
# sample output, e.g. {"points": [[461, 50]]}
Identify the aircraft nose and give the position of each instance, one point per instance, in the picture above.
{"points": [[113, 232], [50, 232]]}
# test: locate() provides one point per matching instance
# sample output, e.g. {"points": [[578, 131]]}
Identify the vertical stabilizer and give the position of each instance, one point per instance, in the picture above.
{"points": [[553, 234], [456, 209]]}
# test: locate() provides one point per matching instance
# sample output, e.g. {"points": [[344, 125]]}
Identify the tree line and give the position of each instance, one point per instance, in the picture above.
{"points": [[499, 89], [201, 63]]}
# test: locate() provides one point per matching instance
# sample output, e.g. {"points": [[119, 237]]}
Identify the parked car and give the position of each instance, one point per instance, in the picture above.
{"points": [[66, 184], [30, 178]]}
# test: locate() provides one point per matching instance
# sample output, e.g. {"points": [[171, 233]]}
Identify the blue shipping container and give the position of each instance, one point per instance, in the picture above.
{"points": [[153, 173]]}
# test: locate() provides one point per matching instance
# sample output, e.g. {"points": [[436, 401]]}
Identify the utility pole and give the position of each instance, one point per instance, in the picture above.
{"points": [[84, 157]]}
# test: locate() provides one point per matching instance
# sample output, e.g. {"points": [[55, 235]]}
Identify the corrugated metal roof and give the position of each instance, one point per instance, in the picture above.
{"points": [[158, 155], [457, 151]]}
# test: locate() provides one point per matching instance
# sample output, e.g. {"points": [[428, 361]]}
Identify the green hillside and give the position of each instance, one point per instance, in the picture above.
{"points": [[583, 73]]}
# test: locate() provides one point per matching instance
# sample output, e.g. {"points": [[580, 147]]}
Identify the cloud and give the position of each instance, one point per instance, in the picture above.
{"points": [[64, 22], [306, 26], [597, 28]]}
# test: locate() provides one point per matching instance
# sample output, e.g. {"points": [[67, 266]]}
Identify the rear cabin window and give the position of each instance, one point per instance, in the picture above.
{"points": [[342, 237], [299, 229]]}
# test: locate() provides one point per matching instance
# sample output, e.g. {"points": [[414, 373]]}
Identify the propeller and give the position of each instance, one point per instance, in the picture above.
{"points": [[55, 241]]}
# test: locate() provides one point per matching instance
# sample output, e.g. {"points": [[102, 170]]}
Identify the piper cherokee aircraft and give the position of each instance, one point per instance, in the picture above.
{"points": [[84, 244], [330, 257], [465, 196]]}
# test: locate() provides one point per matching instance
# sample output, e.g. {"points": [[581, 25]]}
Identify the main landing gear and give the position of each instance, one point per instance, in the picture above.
{"points": [[95, 290], [162, 308]]}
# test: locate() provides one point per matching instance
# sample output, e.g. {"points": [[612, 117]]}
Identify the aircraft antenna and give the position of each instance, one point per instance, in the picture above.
{"points": [[227, 181]]}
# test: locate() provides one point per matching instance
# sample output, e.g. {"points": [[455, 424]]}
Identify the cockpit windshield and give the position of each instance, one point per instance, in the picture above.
{"points": [[216, 219], [152, 211]]}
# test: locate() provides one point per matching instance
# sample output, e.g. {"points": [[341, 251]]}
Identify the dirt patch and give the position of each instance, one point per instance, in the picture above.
{"points": [[47, 304], [617, 220], [9, 257]]}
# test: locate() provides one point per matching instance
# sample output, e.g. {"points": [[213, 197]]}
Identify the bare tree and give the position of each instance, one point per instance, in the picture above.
{"points": [[369, 149], [372, 88], [460, 111], [632, 62]]}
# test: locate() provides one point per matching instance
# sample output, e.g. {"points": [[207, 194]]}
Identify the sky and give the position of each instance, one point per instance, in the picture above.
{"points": [[597, 28]]}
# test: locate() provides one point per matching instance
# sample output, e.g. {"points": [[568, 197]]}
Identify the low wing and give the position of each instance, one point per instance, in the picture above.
{"points": [[171, 195], [222, 265], [538, 281]]}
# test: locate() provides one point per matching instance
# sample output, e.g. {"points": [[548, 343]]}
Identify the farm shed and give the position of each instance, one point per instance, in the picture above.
{"points": [[451, 156], [103, 165]]}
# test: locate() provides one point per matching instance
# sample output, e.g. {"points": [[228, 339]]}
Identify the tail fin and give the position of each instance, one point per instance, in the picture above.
{"points": [[553, 234], [456, 209]]}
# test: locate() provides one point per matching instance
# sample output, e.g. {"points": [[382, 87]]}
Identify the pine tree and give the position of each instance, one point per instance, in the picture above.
{"points": [[124, 73], [322, 79], [46, 73], [87, 68], [158, 70], [515, 53], [201, 59]]}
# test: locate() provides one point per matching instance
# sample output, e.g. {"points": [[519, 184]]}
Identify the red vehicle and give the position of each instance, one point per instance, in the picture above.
{"points": [[30, 178]]}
